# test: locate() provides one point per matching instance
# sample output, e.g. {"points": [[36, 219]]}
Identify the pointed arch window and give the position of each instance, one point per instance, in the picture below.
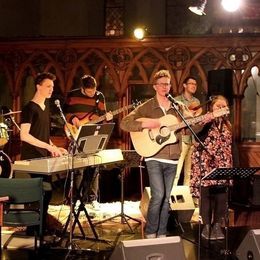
{"points": [[250, 123], [114, 11]]}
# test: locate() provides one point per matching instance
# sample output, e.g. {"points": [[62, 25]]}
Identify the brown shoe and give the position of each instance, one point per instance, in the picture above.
{"points": [[53, 225]]}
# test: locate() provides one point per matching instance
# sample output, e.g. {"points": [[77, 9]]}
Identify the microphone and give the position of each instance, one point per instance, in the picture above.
{"points": [[171, 98], [57, 103]]}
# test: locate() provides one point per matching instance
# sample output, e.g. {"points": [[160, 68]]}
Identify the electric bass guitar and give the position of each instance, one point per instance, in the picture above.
{"points": [[148, 142], [93, 119]]}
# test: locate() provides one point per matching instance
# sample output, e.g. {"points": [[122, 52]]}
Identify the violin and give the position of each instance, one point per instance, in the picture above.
{"points": [[196, 108]]}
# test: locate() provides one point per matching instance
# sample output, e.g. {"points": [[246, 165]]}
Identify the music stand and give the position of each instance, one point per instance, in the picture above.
{"points": [[131, 159], [90, 139], [93, 138], [228, 174]]}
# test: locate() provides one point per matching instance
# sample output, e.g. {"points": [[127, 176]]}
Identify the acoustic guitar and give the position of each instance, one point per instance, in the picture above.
{"points": [[93, 119], [148, 142]]}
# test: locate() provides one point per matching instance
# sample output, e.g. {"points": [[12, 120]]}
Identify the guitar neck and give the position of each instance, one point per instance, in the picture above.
{"points": [[115, 112], [191, 121]]}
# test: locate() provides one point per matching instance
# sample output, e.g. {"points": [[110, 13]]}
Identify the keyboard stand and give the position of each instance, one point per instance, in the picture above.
{"points": [[76, 215], [76, 221]]}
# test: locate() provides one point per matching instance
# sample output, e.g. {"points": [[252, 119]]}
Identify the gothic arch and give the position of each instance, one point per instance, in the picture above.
{"points": [[136, 62], [247, 73], [29, 64], [105, 62]]}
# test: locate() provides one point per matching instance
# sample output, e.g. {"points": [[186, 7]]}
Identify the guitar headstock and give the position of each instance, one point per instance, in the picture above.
{"points": [[221, 112]]}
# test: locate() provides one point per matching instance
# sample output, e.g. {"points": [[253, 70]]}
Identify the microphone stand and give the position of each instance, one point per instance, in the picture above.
{"points": [[176, 106], [11, 118], [73, 147], [14, 122]]}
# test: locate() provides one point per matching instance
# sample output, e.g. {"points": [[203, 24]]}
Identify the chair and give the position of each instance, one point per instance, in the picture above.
{"points": [[23, 205]]}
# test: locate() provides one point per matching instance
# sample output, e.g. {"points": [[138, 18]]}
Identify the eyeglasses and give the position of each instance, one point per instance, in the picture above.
{"points": [[191, 83], [163, 84]]}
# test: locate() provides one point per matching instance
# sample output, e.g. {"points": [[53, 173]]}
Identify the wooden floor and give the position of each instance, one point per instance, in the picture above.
{"points": [[110, 233], [102, 249]]}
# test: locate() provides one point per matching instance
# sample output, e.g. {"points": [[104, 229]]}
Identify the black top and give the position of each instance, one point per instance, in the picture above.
{"points": [[40, 129]]}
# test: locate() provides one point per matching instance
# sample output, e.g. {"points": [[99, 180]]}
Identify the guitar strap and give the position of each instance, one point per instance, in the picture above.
{"points": [[95, 109]]}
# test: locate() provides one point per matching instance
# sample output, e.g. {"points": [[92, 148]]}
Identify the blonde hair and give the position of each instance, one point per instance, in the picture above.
{"points": [[161, 74], [214, 101]]}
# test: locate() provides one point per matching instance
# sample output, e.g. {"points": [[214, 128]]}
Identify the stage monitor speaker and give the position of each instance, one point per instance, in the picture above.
{"points": [[166, 248], [180, 201], [220, 82], [250, 246]]}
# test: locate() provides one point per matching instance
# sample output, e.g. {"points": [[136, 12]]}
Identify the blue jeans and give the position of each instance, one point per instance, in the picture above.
{"points": [[161, 176]]}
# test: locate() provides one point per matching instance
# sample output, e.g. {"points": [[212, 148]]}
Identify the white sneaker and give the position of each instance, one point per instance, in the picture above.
{"points": [[95, 205], [150, 235], [160, 236]]}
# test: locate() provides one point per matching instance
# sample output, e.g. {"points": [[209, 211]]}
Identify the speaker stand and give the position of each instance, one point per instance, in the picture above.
{"points": [[178, 224]]}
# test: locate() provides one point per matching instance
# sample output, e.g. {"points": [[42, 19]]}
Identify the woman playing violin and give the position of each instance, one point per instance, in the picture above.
{"points": [[216, 137]]}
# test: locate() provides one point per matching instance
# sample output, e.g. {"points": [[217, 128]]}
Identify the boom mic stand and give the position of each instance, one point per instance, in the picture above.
{"points": [[176, 106], [11, 119]]}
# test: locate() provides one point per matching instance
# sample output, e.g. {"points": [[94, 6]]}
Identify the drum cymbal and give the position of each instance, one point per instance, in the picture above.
{"points": [[11, 113]]}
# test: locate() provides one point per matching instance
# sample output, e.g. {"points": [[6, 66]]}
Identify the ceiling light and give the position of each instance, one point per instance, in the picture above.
{"points": [[139, 33], [231, 5], [199, 8]]}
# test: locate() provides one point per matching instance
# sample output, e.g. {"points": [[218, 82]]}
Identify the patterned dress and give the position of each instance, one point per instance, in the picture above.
{"points": [[217, 141]]}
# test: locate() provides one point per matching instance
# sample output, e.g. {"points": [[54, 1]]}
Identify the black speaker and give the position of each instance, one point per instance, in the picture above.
{"points": [[246, 191], [250, 246], [220, 82], [180, 201], [166, 248], [255, 199]]}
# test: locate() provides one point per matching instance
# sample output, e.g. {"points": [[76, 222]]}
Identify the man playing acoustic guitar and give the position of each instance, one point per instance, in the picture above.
{"points": [[84, 105], [162, 163]]}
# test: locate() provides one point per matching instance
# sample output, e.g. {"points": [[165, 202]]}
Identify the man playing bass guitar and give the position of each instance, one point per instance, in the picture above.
{"points": [[83, 105]]}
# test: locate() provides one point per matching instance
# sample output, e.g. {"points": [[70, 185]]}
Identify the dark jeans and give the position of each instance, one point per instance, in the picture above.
{"points": [[86, 184], [214, 200], [161, 176], [90, 184]]}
